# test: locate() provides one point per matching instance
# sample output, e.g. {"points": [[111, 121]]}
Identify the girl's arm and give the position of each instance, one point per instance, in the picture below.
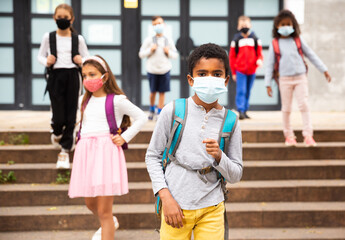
{"points": [[44, 50], [126, 107], [310, 54], [82, 47], [269, 66], [231, 164]]}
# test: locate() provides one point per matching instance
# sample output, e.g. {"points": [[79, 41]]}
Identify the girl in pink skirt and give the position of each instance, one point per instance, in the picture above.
{"points": [[99, 166]]}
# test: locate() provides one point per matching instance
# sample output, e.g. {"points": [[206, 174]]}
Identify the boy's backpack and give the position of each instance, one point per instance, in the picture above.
{"points": [[109, 111], [180, 111], [252, 35], [52, 44], [275, 44], [166, 41]]}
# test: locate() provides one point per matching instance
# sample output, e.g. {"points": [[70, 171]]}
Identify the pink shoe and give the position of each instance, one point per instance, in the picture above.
{"points": [[309, 142], [290, 141]]}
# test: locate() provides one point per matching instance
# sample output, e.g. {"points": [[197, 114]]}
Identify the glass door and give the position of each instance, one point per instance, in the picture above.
{"points": [[192, 23], [7, 64], [170, 10]]}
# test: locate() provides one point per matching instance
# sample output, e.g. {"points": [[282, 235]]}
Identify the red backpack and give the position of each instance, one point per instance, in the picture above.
{"points": [[275, 43]]}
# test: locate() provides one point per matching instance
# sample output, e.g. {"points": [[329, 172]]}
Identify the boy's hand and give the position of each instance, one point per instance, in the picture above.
{"points": [[269, 91], [259, 62], [117, 140], [51, 59], [166, 51], [153, 48], [173, 214], [234, 77], [328, 77], [78, 60], [212, 148]]}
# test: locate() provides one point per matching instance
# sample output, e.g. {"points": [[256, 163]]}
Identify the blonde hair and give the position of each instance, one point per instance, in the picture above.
{"points": [[243, 18], [67, 8]]}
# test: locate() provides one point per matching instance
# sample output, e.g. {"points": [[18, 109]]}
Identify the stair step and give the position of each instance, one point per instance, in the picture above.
{"points": [[48, 153], [136, 153], [47, 172], [250, 136], [141, 192], [278, 151], [150, 234], [253, 170], [141, 216]]}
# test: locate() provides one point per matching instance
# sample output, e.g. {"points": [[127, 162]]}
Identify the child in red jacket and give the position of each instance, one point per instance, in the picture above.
{"points": [[245, 56]]}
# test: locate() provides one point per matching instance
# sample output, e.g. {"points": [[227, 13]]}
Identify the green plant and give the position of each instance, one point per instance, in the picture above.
{"points": [[7, 178], [10, 162], [63, 178], [18, 139], [2, 142]]}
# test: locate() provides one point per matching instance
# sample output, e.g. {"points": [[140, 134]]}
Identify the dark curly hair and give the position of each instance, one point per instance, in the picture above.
{"points": [[207, 51], [285, 14]]}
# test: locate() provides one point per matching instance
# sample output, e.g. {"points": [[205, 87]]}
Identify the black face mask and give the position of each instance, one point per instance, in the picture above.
{"points": [[63, 23], [244, 30]]}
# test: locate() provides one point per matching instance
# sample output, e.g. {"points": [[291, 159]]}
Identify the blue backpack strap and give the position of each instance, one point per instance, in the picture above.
{"points": [[180, 110], [228, 126]]}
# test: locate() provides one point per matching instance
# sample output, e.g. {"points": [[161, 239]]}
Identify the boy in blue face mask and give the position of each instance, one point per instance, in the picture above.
{"points": [[158, 49], [193, 200], [245, 57]]}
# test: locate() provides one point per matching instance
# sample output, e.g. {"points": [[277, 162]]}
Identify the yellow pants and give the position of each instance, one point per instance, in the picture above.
{"points": [[207, 223]]}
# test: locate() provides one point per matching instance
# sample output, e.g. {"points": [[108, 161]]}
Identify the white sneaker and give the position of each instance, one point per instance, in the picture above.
{"points": [[98, 234], [63, 160], [116, 223], [56, 140]]}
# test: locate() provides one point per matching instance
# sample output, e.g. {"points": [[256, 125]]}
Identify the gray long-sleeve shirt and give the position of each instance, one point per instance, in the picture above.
{"points": [[185, 185], [291, 62]]}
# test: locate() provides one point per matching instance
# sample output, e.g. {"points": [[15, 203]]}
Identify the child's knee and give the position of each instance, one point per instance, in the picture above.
{"points": [[303, 106], [104, 214]]}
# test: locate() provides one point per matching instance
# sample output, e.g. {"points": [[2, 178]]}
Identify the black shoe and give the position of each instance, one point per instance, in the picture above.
{"points": [[242, 116], [246, 116]]}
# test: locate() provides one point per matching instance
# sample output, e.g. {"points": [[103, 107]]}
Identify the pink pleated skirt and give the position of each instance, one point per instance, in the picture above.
{"points": [[99, 168]]}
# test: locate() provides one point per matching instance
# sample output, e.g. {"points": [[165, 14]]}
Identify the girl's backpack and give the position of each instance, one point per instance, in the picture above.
{"points": [[52, 45], [178, 123], [275, 44], [110, 114]]}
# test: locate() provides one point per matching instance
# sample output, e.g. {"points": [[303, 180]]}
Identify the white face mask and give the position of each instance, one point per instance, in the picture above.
{"points": [[209, 88]]}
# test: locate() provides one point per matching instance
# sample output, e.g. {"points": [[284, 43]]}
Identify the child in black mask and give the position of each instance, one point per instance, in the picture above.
{"points": [[245, 56], [63, 59]]}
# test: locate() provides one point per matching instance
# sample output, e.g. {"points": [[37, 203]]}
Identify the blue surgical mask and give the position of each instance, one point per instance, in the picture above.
{"points": [[285, 30], [158, 28], [209, 88]]}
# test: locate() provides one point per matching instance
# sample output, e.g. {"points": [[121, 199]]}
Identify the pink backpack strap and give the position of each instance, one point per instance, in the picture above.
{"points": [[300, 51], [275, 44], [110, 114]]}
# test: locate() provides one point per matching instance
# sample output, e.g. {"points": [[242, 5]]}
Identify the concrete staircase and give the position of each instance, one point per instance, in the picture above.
{"points": [[285, 193]]}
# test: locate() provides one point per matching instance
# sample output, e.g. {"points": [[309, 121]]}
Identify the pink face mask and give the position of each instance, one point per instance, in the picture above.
{"points": [[93, 84]]}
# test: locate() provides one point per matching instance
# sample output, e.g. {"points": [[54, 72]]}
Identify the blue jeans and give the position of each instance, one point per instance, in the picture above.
{"points": [[243, 87]]}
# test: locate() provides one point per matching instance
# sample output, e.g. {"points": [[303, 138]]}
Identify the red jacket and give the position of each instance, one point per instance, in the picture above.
{"points": [[245, 60]]}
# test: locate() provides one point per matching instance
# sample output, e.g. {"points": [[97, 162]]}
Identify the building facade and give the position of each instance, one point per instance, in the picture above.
{"points": [[116, 33]]}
